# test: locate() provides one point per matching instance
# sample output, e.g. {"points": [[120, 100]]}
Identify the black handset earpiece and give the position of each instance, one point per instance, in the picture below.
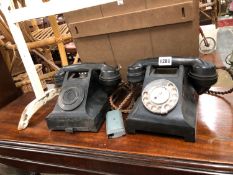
{"points": [[203, 75], [59, 77], [109, 76]]}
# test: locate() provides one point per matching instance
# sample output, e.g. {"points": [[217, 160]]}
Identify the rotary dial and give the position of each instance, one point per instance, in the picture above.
{"points": [[70, 98], [160, 96]]}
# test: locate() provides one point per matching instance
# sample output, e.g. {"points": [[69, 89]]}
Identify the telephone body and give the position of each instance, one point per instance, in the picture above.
{"points": [[83, 100], [168, 101]]}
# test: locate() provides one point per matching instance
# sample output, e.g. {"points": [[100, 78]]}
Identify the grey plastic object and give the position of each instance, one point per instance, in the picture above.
{"points": [[114, 124]]}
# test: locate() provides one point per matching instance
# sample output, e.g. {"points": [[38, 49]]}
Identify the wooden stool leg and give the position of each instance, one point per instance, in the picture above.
{"points": [[61, 47]]}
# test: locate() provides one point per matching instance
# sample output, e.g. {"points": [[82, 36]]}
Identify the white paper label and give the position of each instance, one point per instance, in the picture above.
{"points": [[120, 2], [165, 61]]}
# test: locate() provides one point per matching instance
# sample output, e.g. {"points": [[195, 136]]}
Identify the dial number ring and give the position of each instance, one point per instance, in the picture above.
{"points": [[160, 96]]}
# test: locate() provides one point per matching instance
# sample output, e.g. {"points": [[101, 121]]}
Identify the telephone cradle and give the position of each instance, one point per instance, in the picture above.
{"points": [[168, 101], [83, 100]]}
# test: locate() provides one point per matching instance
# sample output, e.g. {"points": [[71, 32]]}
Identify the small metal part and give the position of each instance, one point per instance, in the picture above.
{"points": [[83, 75], [114, 124], [160, 96]]}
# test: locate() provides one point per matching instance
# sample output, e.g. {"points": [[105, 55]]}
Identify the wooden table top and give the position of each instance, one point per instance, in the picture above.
{"points": [[212, 152]]}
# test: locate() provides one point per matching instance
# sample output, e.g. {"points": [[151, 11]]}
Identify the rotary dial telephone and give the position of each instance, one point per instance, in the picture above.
{"points": [[83, 100], [168, 101]]}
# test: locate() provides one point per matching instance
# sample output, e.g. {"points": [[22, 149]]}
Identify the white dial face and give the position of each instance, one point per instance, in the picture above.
{"points": [[160, 96]]}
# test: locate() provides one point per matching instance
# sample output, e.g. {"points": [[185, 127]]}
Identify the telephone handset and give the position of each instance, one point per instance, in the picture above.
{"points": [[168, 100], [202, 74], [108, 75], [83, 99]]}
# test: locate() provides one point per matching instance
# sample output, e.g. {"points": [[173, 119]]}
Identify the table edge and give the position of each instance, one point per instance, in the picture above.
{"points": [[121, 157]]}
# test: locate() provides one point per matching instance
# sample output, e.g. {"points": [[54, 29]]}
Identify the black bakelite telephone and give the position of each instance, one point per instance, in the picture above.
{"points": [[83, 100], [168, 101]]}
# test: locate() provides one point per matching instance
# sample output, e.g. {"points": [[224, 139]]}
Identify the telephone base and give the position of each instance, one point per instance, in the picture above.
{"points": [[134, 125], [180, 121], [82, 105], [88, 119], [83, 101], [74, 122]]}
